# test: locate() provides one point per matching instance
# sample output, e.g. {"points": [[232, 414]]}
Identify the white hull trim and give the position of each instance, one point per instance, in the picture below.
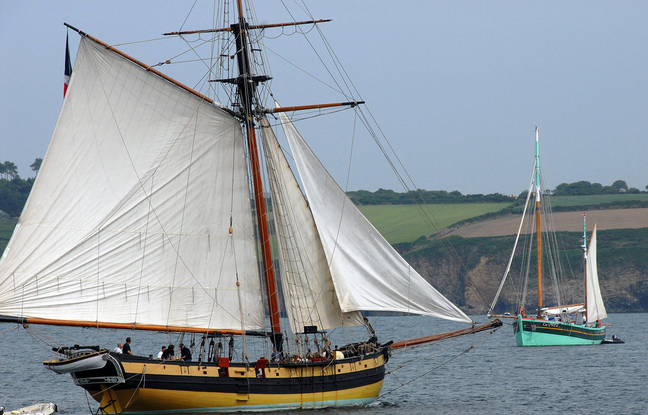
{"points": [[90, 361]]}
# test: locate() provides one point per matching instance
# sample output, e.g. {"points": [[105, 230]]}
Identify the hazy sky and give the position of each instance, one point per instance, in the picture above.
{"points": [[457, 86]]}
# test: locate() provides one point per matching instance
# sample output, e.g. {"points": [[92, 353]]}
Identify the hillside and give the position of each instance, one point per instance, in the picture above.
{"points": [[468, 270], [406, 223]]}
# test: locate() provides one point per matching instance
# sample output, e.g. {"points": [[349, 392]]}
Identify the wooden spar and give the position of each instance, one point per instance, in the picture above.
{"points": [[450, 334], [143, 65], [538, 234], [313, 106], [125, 326], [564, 306], [539, 255], [229, 29], [246, 91]]}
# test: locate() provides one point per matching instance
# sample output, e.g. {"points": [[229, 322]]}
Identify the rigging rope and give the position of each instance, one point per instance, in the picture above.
{"points": [[435, 367]]}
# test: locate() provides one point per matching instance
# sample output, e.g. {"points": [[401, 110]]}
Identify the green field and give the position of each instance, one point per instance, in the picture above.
{"points": [[406, 223]]}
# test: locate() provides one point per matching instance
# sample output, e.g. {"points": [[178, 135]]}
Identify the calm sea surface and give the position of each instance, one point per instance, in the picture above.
{"points": [[493, 377]]}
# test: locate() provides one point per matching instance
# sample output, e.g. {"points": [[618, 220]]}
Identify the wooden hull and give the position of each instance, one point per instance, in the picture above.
{"points": [[532, 332], [138, 385]]}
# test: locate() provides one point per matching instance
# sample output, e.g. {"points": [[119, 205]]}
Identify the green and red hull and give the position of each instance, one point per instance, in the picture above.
{"points": [[533, 332]]}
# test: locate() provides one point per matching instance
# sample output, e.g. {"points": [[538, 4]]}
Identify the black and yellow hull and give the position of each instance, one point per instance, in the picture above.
{"points": [[138, 385]]}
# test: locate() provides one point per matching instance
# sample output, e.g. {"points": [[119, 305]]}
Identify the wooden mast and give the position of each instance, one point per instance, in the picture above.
{"points": [[246, 85], [537, 212]]}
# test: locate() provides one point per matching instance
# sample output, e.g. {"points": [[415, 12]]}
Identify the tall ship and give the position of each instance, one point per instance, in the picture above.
{"points": [[158, 208], [562, 322]]}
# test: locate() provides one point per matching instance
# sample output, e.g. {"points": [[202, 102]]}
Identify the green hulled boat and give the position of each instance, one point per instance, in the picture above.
{"points": [[562, 324]]}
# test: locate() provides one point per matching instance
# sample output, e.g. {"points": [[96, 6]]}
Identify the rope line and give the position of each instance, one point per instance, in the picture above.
{"points": [[434, 368]]}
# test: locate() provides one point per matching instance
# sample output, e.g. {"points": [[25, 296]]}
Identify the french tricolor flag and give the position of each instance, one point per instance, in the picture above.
{"points": [[68, 67]]}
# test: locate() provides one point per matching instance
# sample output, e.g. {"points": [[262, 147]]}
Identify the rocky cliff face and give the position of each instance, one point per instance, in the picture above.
{"points": [[468, 271]]}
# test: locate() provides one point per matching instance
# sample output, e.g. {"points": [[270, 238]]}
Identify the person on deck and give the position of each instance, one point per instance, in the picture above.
{"points": [[185, 353], [118, 349], [276, 356], [126, 349], [161, 353], [168, 353]]}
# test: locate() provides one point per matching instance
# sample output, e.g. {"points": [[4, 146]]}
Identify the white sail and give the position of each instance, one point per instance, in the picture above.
{"points": [[128, 219], [595, 306], [309, 294], [367, 272]]}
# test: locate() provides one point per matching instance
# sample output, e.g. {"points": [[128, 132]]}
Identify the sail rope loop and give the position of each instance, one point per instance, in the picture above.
{"points": [[139, 385], [45, 338], [402, 384], [98, 411]]}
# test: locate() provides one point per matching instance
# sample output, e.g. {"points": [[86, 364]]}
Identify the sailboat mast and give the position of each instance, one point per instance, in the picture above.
{"points": [[537, 211], [247, 84]]}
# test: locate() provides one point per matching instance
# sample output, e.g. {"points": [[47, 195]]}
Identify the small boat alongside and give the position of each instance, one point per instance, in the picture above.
{"points": [[78, 359], [35, 409], [613, 340]]}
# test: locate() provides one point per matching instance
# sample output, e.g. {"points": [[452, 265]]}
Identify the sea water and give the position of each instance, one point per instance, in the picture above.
{"points": [[475, 374]]}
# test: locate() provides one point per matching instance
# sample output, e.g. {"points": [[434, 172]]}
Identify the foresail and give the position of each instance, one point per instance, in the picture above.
{"points": [[307, 286], [129, 218], [367, 272], [595, 306]]}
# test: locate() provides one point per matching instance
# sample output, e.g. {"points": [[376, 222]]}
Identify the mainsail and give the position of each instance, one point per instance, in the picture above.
{"points": [[367, 272], [129, 219], [595, 306]]}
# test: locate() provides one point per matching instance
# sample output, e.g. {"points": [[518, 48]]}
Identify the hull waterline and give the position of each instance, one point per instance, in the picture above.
{"points": [[532, 332]]}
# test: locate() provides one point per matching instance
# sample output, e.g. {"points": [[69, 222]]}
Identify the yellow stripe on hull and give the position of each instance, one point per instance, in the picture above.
{"points": [[155, 386], [157, 400]]}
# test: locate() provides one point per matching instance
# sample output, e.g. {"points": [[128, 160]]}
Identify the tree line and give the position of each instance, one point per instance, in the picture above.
{"points": [[14, 192], [583, 187], [390, 197], [13, 189]]}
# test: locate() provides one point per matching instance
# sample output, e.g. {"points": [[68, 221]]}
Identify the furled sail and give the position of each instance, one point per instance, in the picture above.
{"points": [[595, 306], [308, 289], [129, 218], [368, 274]]}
